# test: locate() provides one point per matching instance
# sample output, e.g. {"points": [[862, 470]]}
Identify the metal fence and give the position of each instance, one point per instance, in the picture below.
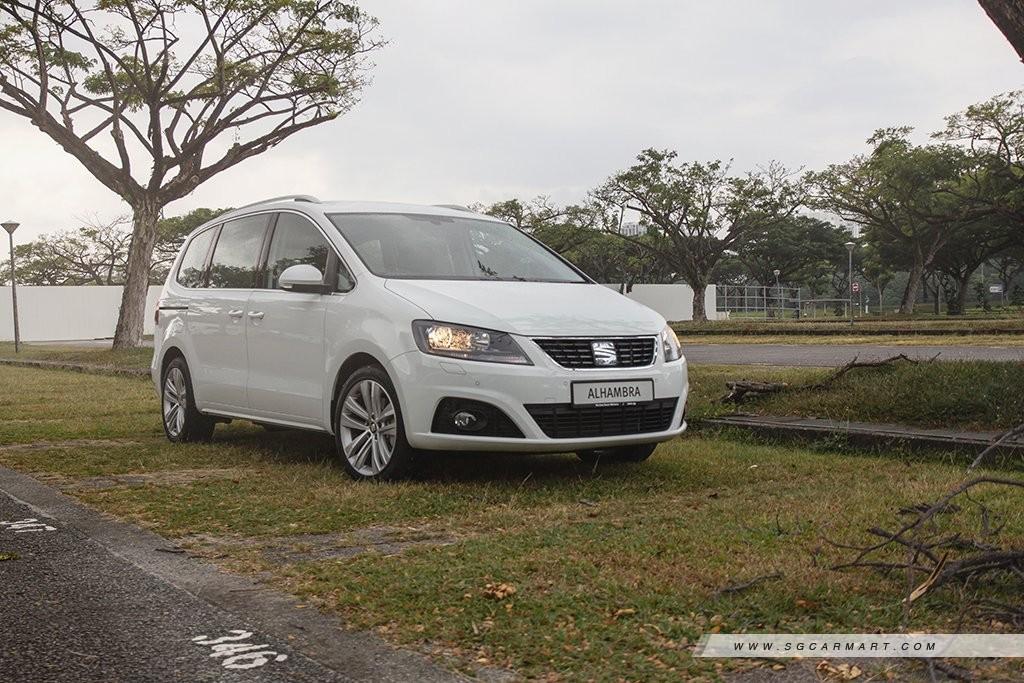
{"points": [[756, 301]]}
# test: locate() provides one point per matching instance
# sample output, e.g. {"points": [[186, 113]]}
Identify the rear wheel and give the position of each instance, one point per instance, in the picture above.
{"points": [[368, 428], [635, 453], [182, 422]]}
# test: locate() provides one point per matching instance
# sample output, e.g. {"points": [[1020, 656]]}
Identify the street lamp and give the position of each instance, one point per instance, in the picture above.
{"points": [[849, 252], [10, 227], [778, 290]]}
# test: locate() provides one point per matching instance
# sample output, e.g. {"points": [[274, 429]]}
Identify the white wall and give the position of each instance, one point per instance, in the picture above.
{"points": [[64, 313], [674, 302]]}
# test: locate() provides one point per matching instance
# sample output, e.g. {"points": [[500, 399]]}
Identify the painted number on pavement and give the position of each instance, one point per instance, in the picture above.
{"points": [[24, 526], [238, 654]]}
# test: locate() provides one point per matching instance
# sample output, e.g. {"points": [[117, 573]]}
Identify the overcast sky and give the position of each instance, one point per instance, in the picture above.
{"points": [[478, 101]]}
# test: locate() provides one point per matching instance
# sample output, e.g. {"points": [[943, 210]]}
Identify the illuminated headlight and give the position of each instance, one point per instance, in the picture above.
{"points": [[670, 345], [468, 343]]}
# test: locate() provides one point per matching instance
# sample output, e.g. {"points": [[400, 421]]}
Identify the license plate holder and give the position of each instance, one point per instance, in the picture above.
{"points": [[612, 392]]}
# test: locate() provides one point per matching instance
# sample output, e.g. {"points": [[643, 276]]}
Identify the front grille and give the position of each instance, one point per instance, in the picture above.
{"points": [[632, 352], [566, 421]]}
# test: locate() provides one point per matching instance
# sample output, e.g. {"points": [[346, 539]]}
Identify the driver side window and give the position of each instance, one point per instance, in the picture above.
{"points": [[295, 241]]}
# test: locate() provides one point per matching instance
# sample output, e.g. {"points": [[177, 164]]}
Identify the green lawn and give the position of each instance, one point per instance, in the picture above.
{"points": [[104, 357], [970, 395], [855, 337], [615, 571], [929, 329]]}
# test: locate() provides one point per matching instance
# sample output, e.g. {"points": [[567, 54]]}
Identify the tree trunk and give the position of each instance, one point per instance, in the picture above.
{"points": [[136, 285], [699, 314], [1008, 18], [913, 284], [961, 294]]}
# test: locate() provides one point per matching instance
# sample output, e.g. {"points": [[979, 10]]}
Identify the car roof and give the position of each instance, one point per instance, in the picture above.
{"points": [[311, 205]]}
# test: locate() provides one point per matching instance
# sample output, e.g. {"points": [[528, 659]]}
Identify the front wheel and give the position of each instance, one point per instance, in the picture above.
{"points": [[182, 421], [368, 429], [635, 453]]}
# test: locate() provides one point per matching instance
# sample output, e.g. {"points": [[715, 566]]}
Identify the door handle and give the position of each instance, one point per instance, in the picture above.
{"points": [[236, 313], [256, 315]]}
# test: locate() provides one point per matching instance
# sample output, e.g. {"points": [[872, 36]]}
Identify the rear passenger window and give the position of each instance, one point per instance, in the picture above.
{"points": [[193, 262], [237, 253], [296, 240]]}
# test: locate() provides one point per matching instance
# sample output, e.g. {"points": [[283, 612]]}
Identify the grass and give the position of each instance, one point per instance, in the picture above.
{"points": [[616, 571], [1009, 340], [969, 395], [105, 357], [865, 327]]}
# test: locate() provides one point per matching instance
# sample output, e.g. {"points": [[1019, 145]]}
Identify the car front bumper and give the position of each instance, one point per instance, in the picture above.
{"points": [[422, 381]]}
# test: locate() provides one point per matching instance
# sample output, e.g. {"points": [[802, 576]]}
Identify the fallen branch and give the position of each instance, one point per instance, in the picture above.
{"points": [[740, 587], [854, 364], [1008, 435], [740, 388]]}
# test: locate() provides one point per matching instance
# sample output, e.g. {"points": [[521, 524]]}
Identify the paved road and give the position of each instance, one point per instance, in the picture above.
{"points": [[822, 355], [84, 598]]}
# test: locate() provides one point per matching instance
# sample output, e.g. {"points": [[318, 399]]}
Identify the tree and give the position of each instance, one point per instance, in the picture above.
{"points": [[1008, 264], [877, 270], [964, 253], [573, 231], [906, 195], [114, 82], [799, 247], [697, 210], [1008, 16], [992, 133], [97, 253]]}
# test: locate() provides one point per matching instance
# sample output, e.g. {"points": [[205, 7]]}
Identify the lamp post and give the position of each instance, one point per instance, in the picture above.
{"points": [[849, 253], [778, 290], [10, 227]]}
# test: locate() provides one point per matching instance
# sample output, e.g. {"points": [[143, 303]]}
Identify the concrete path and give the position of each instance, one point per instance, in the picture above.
{"points": [[86, 598], [865, 431], [821, 355]]}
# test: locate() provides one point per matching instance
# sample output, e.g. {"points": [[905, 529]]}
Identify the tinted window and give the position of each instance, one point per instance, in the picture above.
{"points": [[444, 247], [296, 240], [193, 263], [237, 252]]}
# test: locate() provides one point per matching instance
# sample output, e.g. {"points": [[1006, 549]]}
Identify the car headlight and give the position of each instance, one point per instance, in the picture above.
{"points": [[670, 345], [468, 343]]}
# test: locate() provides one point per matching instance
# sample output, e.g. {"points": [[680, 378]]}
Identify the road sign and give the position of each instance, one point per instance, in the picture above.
{"points": [[855, 287], [995, 289]]}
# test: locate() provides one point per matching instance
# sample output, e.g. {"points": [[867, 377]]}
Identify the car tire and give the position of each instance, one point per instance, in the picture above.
{"points": [[369, 433], [634, 453], [182, 421]]}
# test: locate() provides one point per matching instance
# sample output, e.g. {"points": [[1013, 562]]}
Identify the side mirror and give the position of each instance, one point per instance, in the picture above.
{"points": [[302, 277]]}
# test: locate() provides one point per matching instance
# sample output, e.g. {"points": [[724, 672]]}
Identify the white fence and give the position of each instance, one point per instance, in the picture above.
{"points": [[67, 313]]}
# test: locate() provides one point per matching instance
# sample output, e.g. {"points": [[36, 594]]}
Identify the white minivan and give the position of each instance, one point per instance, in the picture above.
{"points": [[400, 328]]}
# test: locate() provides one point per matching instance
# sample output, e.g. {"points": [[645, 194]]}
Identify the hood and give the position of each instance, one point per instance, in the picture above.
{"points": [[530, 308]]}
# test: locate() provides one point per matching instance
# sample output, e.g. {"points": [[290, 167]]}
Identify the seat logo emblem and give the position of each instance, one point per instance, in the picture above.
{"points": [[604, 353]]}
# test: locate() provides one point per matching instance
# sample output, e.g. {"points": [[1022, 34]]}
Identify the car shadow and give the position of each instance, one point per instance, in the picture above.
{"points": [[443, 467]]}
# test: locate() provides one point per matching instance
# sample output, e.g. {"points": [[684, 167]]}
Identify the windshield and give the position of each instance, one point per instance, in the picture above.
{"points": [[447, 248]]}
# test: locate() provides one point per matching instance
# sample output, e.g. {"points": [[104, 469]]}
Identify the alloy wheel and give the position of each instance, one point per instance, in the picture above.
{"points": [[368, 427], [175, 401]]}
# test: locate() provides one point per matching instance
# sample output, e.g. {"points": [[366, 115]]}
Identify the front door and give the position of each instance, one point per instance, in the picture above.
{"points": [[287, 371], [217, 316]]}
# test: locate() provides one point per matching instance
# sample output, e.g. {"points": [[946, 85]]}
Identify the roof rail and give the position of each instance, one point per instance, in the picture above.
{"points": [[294, 197], [456, 207]]}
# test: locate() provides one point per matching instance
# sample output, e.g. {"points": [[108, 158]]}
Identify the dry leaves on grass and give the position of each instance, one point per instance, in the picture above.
{"points": [[499, 591], [837, 672]]}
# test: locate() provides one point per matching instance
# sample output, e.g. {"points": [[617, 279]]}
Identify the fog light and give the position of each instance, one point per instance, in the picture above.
{"points": [[464, 419]]}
